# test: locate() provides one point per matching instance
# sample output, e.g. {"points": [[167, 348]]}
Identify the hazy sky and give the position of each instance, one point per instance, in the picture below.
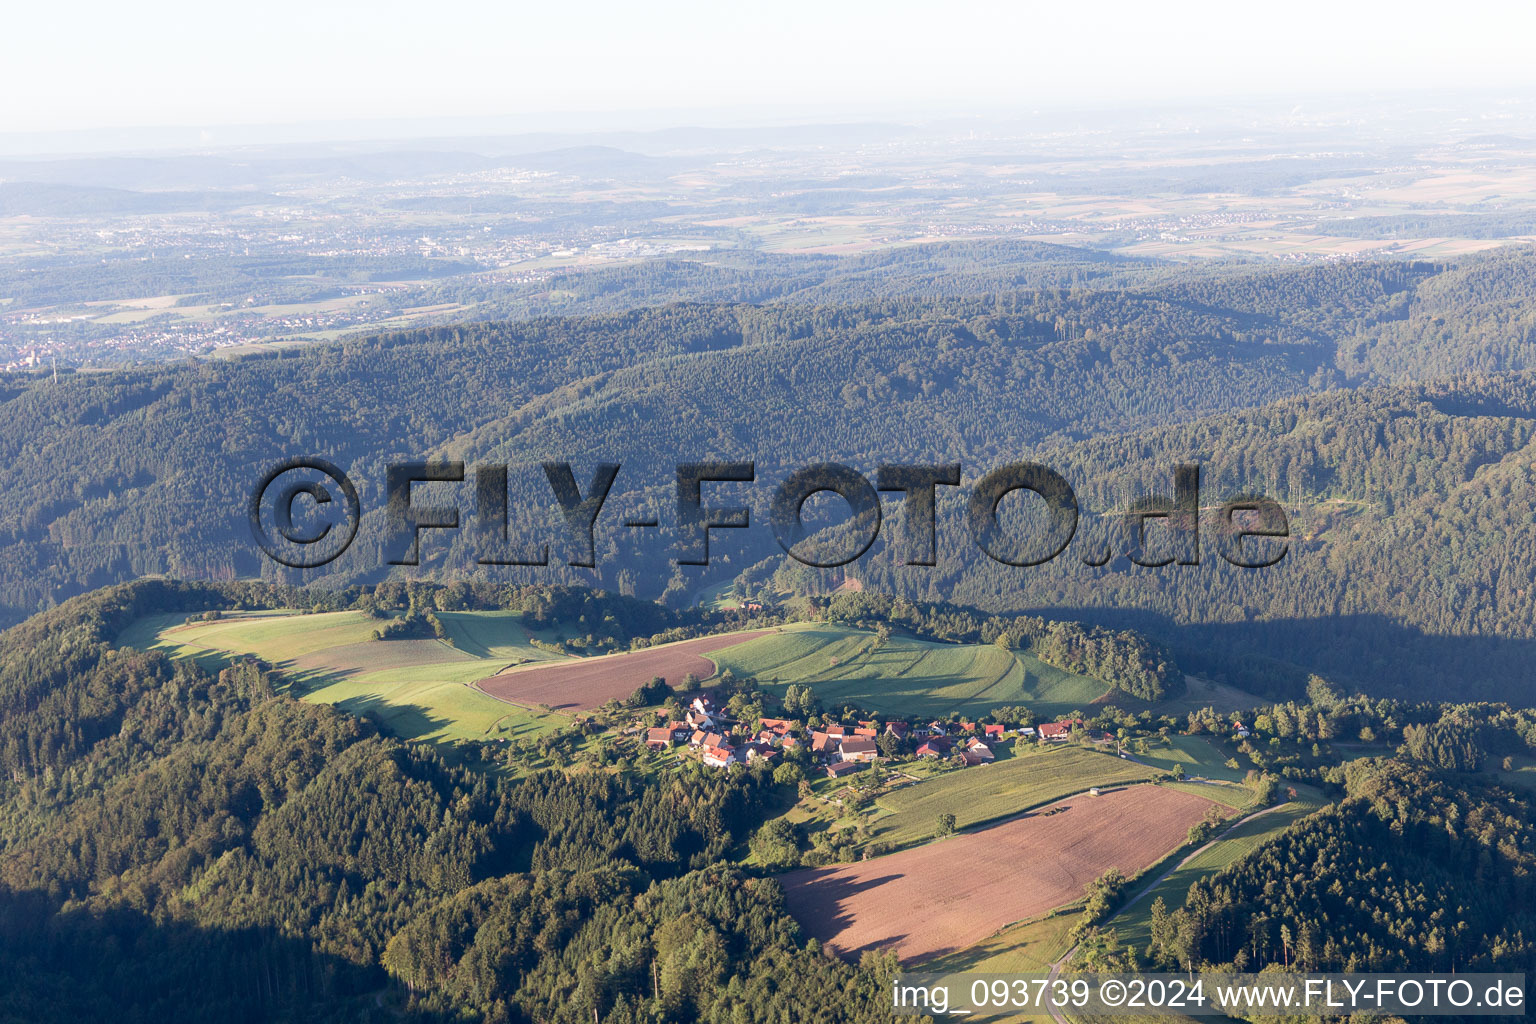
{"points": [[105, 63]]}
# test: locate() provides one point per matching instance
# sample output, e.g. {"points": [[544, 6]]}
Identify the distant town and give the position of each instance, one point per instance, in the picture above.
{"points": [[147, 258]]}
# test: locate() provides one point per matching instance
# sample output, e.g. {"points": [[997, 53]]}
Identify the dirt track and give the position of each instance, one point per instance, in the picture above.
{"points": [[952, 894], [586, 683]]}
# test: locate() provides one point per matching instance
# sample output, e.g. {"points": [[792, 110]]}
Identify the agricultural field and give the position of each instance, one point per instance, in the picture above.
{"points": [[500, 636], [413, 688], [1030, 947], [1133, 922], [917, 902], [975, 795], [1231, 795], [586, 683], [907, 676], [1198, 755]]}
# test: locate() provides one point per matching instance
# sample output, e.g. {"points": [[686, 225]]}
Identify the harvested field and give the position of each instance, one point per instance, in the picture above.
{"points": [[952, 894], [589, 682]]}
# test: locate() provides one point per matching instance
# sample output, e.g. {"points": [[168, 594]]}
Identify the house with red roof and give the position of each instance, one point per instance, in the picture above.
{"points": [[1057, 732], [976, 752]]}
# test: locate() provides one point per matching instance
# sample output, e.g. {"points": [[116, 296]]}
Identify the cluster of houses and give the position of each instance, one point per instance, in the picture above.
{"points": [[837, 749], [840, 750], [705, 728]]}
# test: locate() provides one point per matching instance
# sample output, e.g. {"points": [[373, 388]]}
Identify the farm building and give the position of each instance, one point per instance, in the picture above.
{"points": [[837, 769], [679, 730], [659, 738], [857, 748], [976, 752], [1057, 732], [937, 746]]}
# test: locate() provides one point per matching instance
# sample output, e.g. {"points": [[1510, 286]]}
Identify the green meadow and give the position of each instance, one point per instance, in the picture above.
{"points": [[1198, 756], [1031, 777], [416, 689], [906, 676]]}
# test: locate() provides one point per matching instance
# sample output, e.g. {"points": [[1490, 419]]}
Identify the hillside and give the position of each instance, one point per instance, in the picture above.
{"points": [[1237, 367], [203, 845], [417, 689], [235, 848]]}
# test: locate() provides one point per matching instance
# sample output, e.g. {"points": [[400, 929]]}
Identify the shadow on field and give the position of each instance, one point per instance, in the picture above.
{"points": [[814, 895], [406, 721]]}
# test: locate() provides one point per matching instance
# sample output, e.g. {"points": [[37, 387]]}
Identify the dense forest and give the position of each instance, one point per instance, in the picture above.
{"points": [[1412, 870], [1409, 503], [176, 845]]}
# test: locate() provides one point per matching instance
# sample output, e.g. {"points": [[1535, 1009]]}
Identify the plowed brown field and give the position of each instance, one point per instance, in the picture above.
{"points": [[952, 894], [587, 683]]}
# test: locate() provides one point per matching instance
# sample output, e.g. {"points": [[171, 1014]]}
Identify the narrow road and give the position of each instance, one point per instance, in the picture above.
{"points": [[1061, 962]]}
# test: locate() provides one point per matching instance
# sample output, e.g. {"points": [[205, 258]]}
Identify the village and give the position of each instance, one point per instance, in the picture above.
{"points": [[707, 734]]}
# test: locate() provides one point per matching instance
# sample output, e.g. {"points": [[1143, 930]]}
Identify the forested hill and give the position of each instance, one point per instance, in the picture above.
{"points": [[148, 471], [181, 846], [1412, 559], [176, 845]]}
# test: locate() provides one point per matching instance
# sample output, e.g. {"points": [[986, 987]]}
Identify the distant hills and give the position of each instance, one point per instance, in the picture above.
{"points": [[37, 199], [1412, 502]]}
